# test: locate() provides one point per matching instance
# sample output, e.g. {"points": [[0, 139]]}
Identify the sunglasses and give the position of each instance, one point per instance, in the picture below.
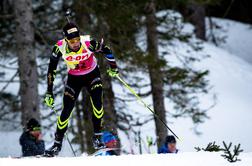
{"points": [[73, 40]]}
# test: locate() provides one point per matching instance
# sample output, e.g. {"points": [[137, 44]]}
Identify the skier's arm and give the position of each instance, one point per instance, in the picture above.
{"points": [[51, 73], [96, 46]]}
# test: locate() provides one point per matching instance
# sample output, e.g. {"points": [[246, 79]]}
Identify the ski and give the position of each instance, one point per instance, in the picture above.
{"points": [[37, 156]]}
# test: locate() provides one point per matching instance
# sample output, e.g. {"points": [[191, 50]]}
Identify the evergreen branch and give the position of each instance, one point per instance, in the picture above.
{"points": [[197, 149], [228, 154], [211, 147]]}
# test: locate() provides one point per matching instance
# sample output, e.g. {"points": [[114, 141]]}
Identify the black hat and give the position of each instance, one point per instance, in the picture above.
{"points": [[71, 30], [33, 125], [170, 139]]}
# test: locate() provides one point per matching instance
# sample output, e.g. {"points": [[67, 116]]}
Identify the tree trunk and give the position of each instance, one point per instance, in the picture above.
{"points": [[196, 16], [26, 60], [156, 76]]}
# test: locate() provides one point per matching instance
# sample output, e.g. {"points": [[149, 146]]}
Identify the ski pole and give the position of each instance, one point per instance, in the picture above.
{"points": [[55, 111], [68, 15], [140, 99]]}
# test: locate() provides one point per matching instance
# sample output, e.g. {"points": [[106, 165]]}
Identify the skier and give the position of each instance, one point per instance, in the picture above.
{"points": [[31, 140], [169, 146], [78, 53], [111, 144]]}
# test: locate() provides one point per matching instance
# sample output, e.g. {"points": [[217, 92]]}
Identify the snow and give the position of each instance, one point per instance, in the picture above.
{"points": [[11, 144], [237, 37], [181, 159]]}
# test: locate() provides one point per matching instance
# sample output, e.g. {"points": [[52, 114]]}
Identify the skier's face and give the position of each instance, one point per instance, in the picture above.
{"points": [[74, 44]]}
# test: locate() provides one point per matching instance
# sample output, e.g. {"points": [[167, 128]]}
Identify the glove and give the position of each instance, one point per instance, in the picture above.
{"points": [[49, 99], [113, 72]]}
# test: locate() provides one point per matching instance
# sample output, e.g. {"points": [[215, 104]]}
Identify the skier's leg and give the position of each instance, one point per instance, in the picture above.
{"points": [[96, 98], [72, 90], [96, 102], [71, 93], [97, 105]]}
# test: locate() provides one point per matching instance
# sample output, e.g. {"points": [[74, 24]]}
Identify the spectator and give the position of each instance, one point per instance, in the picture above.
{"points": [[169, 146], [31, 139], [111, 145]]}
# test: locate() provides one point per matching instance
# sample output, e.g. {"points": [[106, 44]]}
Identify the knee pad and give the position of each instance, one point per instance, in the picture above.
{"points": [[96, 83]]}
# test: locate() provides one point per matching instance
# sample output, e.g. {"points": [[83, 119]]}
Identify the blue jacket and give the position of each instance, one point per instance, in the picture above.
{"points": [[164, 149], [30, 146]]}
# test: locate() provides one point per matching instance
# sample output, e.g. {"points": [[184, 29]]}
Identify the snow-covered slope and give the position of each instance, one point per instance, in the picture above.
{"points": [[231, 75], [181, 159], [237, 37], [231, 118]]}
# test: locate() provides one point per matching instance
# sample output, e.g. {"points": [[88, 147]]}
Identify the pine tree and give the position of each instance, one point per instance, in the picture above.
{"points": [[155, 72]]}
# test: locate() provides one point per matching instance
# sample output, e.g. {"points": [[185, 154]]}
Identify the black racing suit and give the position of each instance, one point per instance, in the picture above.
{"points": [[91, 81]]}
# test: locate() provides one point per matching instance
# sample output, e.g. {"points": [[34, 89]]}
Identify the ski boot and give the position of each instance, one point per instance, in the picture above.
{"points": [[55, 149], [97, 142]]}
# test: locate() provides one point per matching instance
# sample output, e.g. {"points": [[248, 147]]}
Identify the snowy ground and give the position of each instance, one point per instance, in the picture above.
{"points": [[181, 159]]}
